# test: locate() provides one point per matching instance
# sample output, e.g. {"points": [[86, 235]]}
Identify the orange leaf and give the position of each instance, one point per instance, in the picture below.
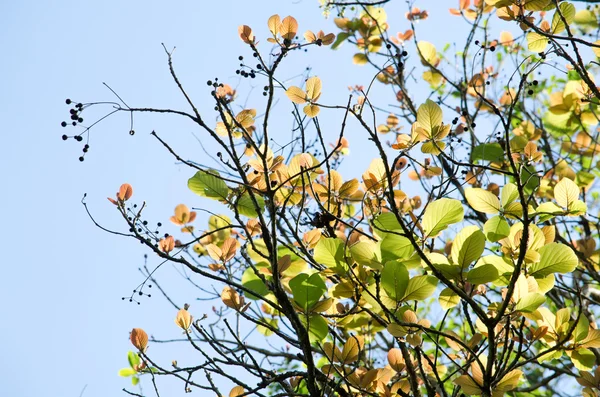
{"points": [[125, 192], [166, 244], [229, 249], [311, 110], [246, 34], [139, 339], [289, 27]]}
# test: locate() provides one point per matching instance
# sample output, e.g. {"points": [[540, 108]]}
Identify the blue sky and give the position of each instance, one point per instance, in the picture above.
{"points": [[64, 326]]}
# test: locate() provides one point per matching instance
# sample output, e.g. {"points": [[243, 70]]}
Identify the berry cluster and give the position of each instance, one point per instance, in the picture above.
{"points": [[75, 115]]}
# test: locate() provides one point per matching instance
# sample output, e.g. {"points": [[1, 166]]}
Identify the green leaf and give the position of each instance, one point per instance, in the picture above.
{"points": [[482, 274], [125, 372], [341, 37], [504, 268], [367, 253], [509, 194], [586, 18], [440, 214], [384, 223], [578, 207], [330, 252], [216, 222], [251, 281], [536, 42], [317, 327], [265, 330], [582, 329], [496, 228], [568, 12], [482, 200], [531, 178], [530, 302], [135, 380], [208, 184], [583, 359], [133, 358], [419, 288], [429, 115], [245, 205], [538, 5], [555, 258], [488, 152], [394, 279], [307, 290], [394, 246], [547, 211], [468, 245], [448, 299]]}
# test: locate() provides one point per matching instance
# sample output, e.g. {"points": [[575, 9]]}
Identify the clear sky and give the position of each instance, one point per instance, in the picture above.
{"points": [[63, 325]]}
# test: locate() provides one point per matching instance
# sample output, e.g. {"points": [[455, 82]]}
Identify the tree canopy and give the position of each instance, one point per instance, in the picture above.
{"points": [[462, 260]]}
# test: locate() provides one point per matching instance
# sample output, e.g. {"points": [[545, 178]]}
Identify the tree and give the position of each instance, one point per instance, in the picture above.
{"points": [[481, 281]]}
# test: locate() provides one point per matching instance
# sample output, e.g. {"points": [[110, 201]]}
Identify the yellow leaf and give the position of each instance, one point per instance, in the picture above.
{"points": [[468, 385], [360, 59], [352, 349], [274, 24], [428, 53], [566, 192], [429, 115], [506, 38], [596, 49], [313, 88], [310, 36], [483, 201], [183, 319], [296, 95], [237, 391], [592, 340], [509, 381], [536, 42], [311, 110]]}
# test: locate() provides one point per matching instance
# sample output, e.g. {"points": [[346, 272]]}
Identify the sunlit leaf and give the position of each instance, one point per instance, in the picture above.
{"points": [[482, 274], [184, 319], [419, 288], [440, 214], [139, 339], [296, 94], [555, 258], [566, 192], [482, 200], [394, 279], [208, 184], [496, 228], [429, 115], [307, 290], [468, 246], [536, 42], [246, 35], [448, 299]]}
